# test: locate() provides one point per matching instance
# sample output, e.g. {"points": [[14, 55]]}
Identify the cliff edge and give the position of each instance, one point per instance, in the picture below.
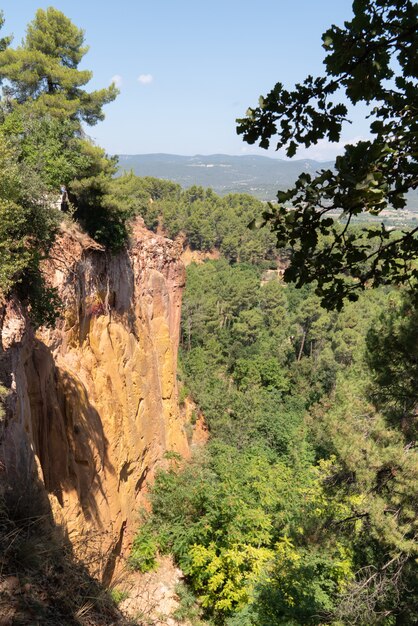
{"points": [[91, 405]]}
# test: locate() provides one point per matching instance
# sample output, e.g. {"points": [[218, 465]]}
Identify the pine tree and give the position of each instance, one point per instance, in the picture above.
{"points": [[43, 72]]}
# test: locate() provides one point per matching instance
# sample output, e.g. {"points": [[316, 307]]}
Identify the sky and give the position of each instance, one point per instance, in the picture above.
{"points": [[186, 69]]}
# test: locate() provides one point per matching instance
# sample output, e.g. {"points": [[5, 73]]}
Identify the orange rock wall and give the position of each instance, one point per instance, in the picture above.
{"points": [[92, 404]]}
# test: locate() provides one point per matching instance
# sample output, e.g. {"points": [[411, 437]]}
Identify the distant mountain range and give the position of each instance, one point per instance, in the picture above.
{"points": [[258, 176]]}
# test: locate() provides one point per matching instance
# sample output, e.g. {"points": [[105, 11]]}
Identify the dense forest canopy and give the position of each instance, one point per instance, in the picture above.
{"points": [[302, 507]]}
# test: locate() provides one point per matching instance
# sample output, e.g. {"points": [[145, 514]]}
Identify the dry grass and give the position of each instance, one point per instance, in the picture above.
{"points": [[41, 583]]}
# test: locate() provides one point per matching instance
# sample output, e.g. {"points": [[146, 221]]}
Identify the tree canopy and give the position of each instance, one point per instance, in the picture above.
{"points": [[43, 145], [43, 110], [301, 509], [372, 59], [44, 70]]}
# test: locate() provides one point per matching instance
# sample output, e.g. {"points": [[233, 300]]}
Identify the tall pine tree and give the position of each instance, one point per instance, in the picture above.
{"points": [[44, 72]]}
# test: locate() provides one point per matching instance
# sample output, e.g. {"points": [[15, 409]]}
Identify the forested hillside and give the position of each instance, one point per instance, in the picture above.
{"points": [[255, 175], [301, 510], [303, 507]]}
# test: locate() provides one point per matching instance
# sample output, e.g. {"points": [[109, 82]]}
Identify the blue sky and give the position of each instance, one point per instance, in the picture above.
{"points": [[187, 69]]}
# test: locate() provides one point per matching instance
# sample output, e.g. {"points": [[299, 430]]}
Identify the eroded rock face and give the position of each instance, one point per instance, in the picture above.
{"points": [[92, 404]]}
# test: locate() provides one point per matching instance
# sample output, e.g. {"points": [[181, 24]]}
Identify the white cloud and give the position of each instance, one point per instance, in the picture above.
{"points": [[145, 79], [117, 80]]}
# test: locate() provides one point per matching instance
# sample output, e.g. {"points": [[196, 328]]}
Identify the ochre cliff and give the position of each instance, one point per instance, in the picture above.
{"points": [[92, 405]]}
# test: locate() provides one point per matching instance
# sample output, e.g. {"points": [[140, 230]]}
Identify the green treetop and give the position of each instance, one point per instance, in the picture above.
{"points": [[4, 41], [44, 71], [42, 145], [43, 108]]}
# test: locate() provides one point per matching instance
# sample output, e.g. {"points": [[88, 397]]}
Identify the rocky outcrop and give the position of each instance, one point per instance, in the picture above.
{"points": [[91, 405]]}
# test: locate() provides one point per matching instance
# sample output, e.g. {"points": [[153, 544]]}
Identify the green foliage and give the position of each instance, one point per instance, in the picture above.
{"points": [[375, 474], [302, 585], [205, 220], [137, 196], [27, 230], [301, 510], [118, 595], [188, 609], [183, 394], [255, 522], [144, 550], [4, 41], [373, 60], [50, 147], [14, 255], [392, 356], [256, 354], [99, 213], [236, 520], [42, 146], [43, 76], [43, 107], [208, 516]]}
